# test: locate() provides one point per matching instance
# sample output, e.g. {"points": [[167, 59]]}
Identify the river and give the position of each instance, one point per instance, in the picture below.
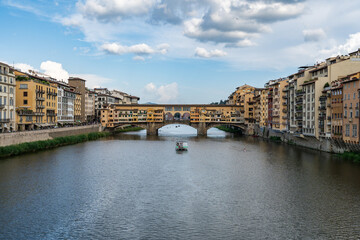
{"points": [[132, 186]]}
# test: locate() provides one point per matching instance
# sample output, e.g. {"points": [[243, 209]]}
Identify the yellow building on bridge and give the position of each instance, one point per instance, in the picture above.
{"points": [[116, 115]]}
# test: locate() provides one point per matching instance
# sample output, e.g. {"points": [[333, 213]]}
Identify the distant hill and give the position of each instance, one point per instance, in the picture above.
{"points": [[150, 103]]}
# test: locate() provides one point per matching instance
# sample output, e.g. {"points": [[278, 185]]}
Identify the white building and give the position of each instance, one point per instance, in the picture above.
{"points": [[66, 99], [90, 97], [7, 99]]}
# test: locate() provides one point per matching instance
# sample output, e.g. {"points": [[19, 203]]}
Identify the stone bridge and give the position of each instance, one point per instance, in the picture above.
{"points": [[154, 117]]}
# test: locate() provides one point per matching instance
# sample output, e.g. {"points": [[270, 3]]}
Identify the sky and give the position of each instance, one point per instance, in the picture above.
{"points": [[175, 51]]}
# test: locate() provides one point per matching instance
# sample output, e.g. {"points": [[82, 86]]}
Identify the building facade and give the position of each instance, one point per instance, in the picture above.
{"points": [[66, 100], [79, 85], [337, 110], [7, 98], [90, 97], [36, 102], [351, 85]]}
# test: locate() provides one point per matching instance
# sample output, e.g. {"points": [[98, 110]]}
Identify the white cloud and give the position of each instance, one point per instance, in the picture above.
{"points": [[140, 50], [118, 49], [150, 88], [314, 35], [55, 70], [163, 48], [351, 44], [162, 94], [138, 58], [203, 53], [219, 21], [114, 10], [24, 67]]}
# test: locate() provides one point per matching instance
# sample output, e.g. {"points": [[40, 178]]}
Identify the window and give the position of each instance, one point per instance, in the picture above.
{"points": [[25, 102], [4, 114], [354, 95], [354, 130], [11, 115], [23, 86], [25, 94], [347, 131], [351, 114], [4, 100]]}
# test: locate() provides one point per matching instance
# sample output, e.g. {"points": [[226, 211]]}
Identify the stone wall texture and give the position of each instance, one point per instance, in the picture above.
{"points": [[323, 144], [40, 135]]}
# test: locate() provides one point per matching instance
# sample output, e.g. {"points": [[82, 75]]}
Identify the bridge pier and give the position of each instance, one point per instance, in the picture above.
{"points": [[152, 129], [202, 129]]}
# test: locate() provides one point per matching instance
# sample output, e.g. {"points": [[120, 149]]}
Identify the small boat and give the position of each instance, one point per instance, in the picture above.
{"points": [[181, 146]]}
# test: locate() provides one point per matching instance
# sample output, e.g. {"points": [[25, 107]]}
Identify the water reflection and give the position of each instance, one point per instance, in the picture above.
{"points": [[134, 186]]}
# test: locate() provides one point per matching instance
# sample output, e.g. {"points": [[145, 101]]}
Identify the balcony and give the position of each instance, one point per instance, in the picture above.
{"points": [[40, 106], [40, 99], [38, 114], [322, 108], [51, 93], [300, 92], [2, 105], [40, 91], [6, 120]]}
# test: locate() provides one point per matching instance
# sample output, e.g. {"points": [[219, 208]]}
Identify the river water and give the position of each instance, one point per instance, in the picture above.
{"points": [[137, 187]]}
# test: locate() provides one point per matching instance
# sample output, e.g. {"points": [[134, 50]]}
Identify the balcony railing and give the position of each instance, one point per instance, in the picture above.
{"points": [[5, 120], [40, 106], [40, 98], [2, 105]]}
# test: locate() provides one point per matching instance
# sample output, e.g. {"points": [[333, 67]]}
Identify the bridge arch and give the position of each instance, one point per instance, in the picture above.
{"points": [[214, 125], [186, 116], [169, 116], [177, 116]]}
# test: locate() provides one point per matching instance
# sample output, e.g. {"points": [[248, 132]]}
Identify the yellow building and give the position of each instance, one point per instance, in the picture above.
{"points": [[283, 90], [117, 114], [77, 107], [36, 102], [264, 107]]}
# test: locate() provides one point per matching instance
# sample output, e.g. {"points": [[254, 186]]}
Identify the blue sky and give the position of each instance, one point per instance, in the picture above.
{"points": [[193, 51]]}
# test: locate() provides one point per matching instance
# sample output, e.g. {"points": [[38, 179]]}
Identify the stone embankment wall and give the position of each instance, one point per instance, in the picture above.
{"points": [[326, 145], [40, 135]]}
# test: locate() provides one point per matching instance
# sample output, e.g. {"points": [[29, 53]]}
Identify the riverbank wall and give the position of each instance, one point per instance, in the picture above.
{"points": [[7, 139], [322, 144]]}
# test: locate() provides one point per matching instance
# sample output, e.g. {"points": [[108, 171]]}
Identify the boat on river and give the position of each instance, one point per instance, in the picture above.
{"points": [[181, 146]]}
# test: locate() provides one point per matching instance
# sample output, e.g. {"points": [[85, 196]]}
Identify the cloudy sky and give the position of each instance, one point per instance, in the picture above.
{"points": [[175, 51]]}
